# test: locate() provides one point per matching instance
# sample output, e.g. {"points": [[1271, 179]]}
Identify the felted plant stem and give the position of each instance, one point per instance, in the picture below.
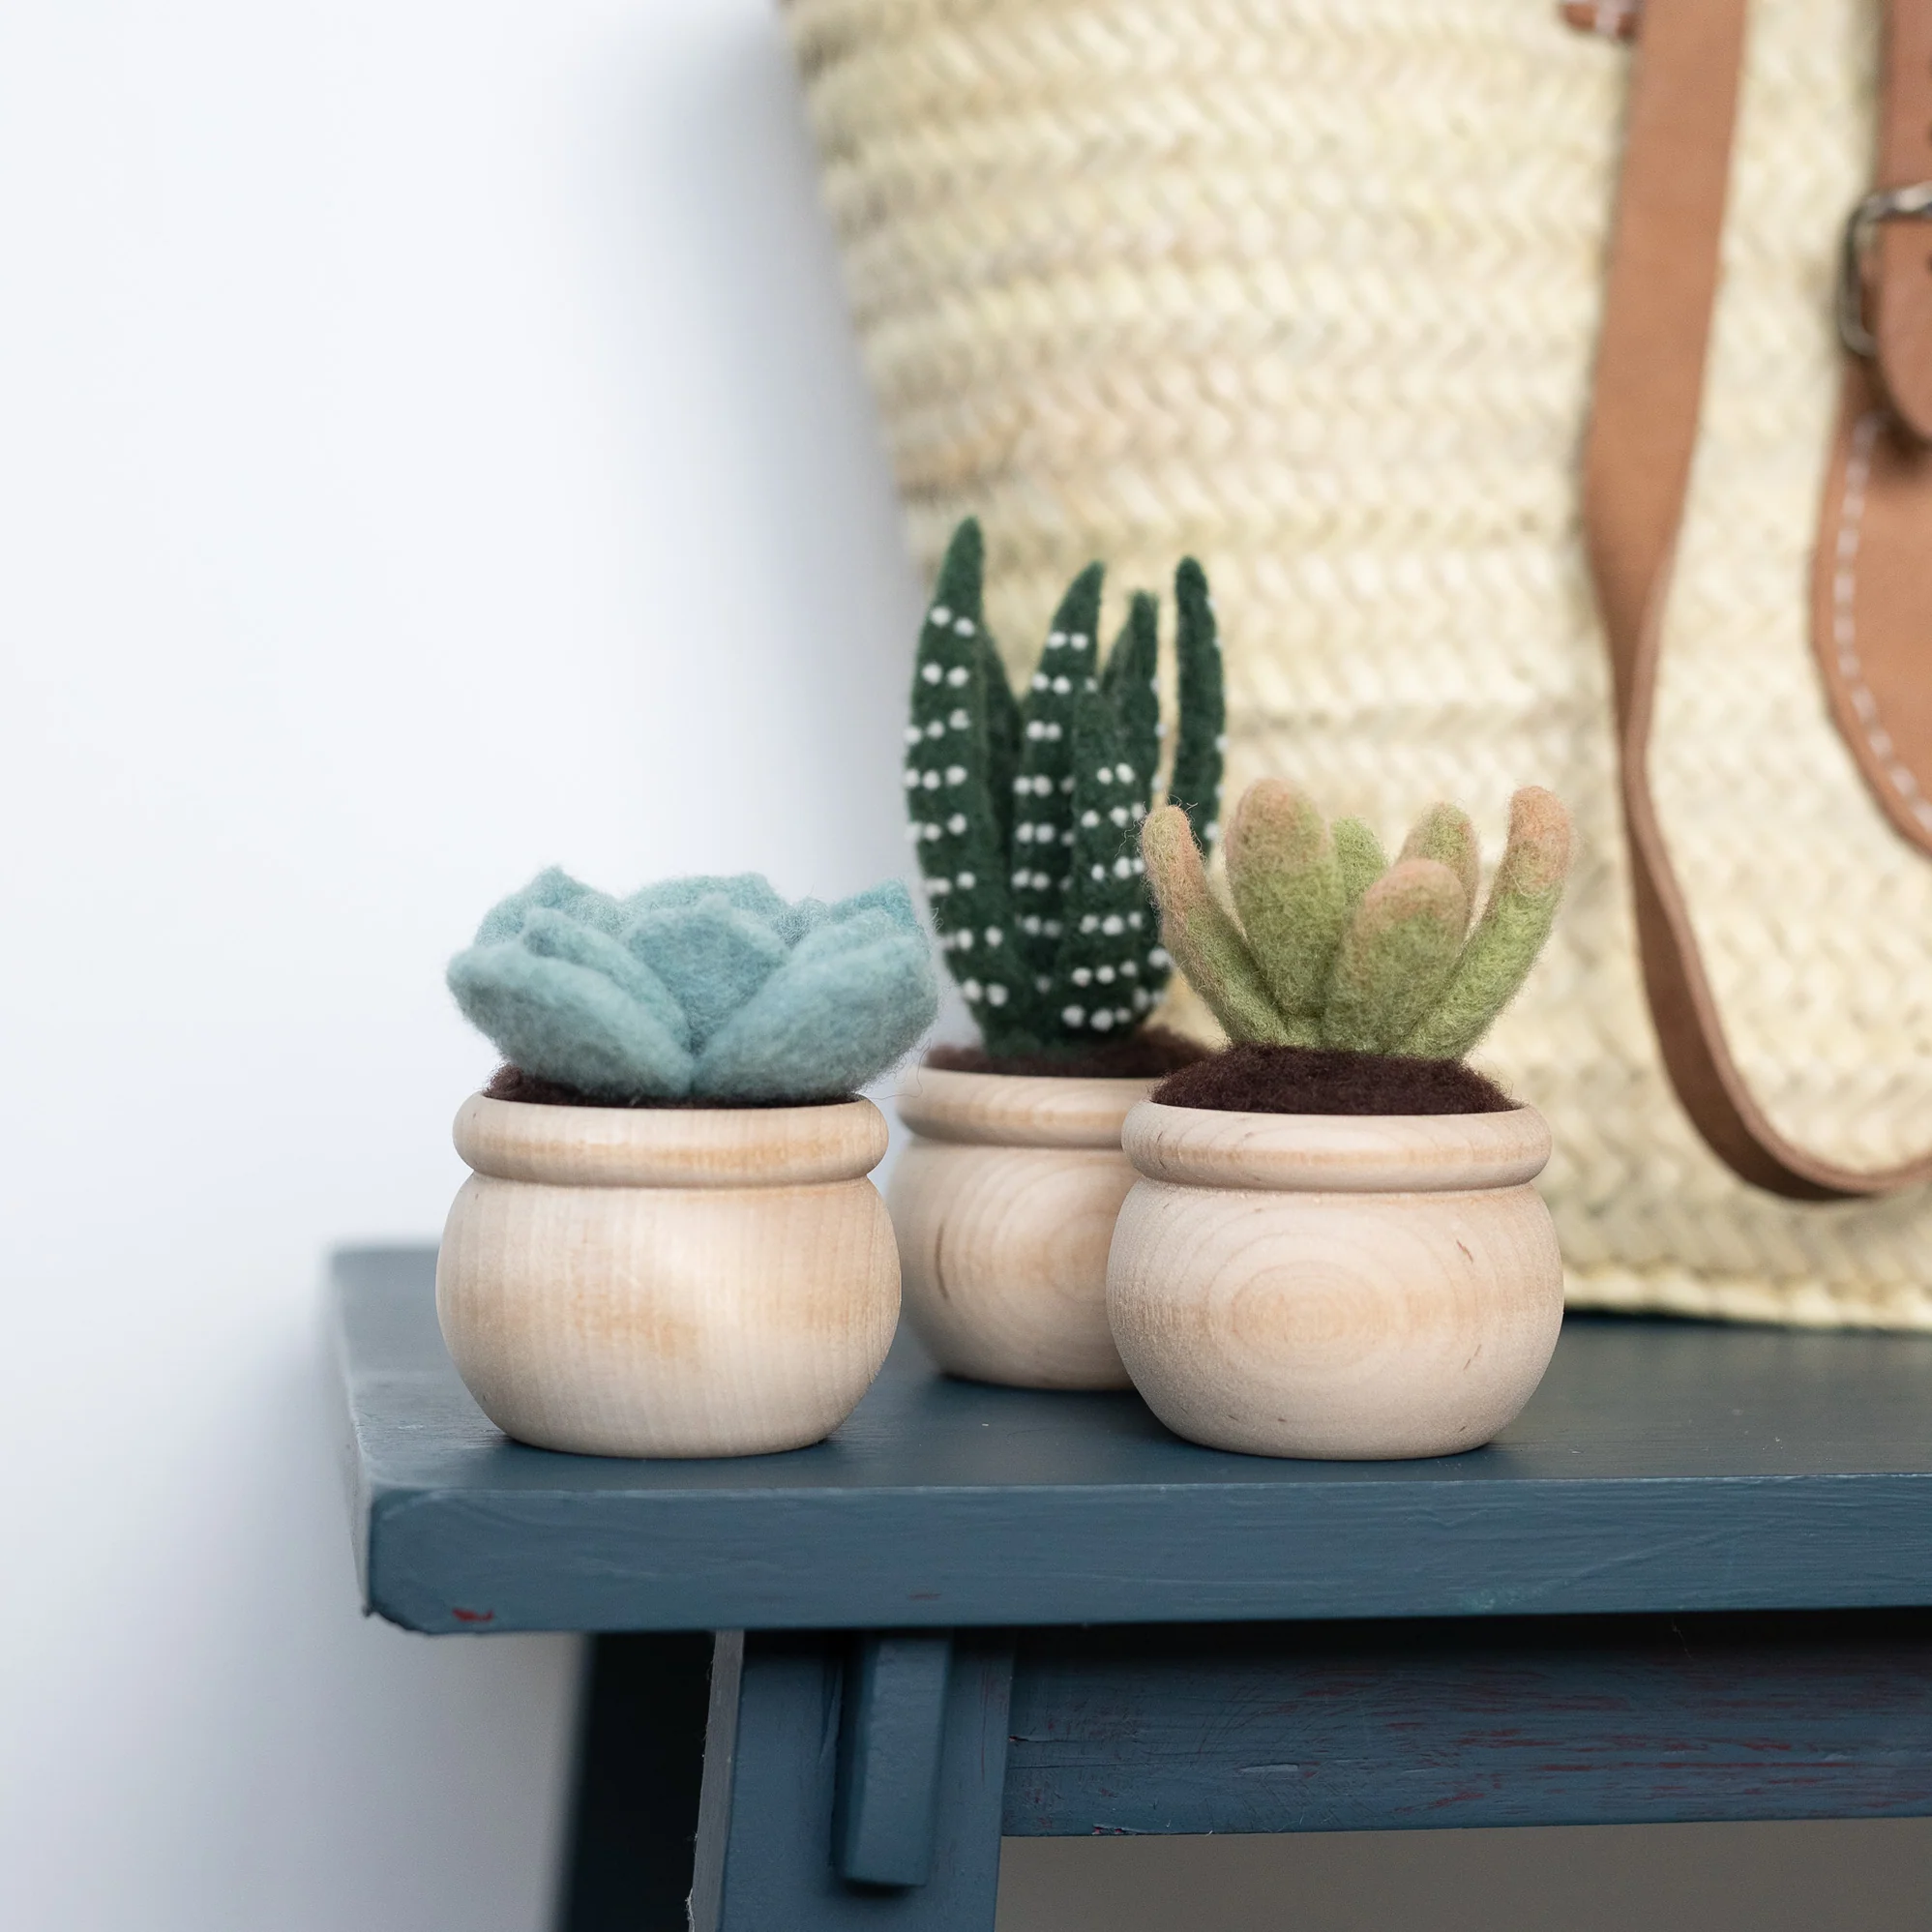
{"points": [[1516, 921], [1043, 800], [1395, 957], [959, 738], [1097, 983], [1204, 941], [1201, 741], [1132, 684], [1288, 893]]}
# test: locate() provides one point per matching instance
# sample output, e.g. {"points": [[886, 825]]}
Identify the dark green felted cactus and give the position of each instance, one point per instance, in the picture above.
{"points": [[1329, 947], [1026, 813]]}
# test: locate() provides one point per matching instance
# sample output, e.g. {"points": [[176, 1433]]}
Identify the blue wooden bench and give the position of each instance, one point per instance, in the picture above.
{"points": [[1690, 1582]]}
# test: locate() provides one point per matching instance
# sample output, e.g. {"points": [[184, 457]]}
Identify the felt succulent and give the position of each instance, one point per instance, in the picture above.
{"points": [[1328, 946], [709, 987], [1025, 814]]}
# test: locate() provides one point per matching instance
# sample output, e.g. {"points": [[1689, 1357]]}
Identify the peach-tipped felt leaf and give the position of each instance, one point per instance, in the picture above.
{"points": [[1359, 860], [1521, 908], [1444, 833], [1287, 889], [1204, 942], [1395, 957]]}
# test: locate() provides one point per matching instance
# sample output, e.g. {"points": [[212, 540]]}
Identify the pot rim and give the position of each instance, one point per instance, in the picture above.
{"points": [[670, 1147], [1337, 1153], [1018, 1109]]}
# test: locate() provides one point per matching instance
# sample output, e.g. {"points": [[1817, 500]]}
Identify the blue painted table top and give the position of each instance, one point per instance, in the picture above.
{"points": [[1662, 1467]]}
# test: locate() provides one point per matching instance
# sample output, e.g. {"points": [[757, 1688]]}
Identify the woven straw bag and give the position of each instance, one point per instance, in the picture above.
{"points": [[1486, 353]]}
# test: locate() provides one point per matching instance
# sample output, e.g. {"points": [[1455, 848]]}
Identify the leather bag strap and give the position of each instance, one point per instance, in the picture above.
{"points": [[1661, 292], [1902, 248]]}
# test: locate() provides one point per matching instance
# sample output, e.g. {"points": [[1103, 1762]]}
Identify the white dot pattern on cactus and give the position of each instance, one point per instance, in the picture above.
{"points": [[1080, 976], [994, 935], [958, 720], [968, 880], [931, 673], [963, 627], [1073, 1015], [959, 675], [1105, 975], [940, 614], [996, 995], [1112, 924], [956, 774], [957, 823], [1063, 685], [935, 729], [971, 988], [1158, 956]]}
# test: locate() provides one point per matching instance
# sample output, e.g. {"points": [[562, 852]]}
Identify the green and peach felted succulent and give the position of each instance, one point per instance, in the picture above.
{"points": [[1329, 947]]}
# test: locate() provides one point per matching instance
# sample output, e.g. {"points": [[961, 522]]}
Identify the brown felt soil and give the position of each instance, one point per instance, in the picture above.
{"points": [[513, 1083], [1322, 1080], [1148, 1054]]}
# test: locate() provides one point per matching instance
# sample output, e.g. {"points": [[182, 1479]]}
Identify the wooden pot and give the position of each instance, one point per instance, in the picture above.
{"points": [[667, 1281], [1335, 1286], [1004, 1205]]}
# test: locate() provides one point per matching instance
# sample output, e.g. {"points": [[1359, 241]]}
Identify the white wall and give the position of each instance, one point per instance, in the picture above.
{"points": [[429, 447]]}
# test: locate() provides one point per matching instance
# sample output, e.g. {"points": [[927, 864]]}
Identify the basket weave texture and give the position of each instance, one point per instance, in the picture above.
{"points": [[1310, 288]]}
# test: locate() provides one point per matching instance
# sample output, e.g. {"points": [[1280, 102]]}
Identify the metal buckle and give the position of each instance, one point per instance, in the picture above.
{"points": [[1889, 204]]}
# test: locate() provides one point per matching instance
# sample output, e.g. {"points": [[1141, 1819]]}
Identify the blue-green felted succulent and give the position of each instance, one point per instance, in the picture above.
{"points": [[698, 988]]}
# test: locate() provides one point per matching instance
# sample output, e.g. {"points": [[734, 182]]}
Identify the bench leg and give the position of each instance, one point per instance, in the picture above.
{"points": [[827, 1756], [639, 1755]]}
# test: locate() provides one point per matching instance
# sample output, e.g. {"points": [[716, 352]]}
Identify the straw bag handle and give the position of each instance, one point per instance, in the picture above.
{"points": [[1661, 291]]}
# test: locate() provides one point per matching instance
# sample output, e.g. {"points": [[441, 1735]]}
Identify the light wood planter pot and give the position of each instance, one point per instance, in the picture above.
{"points": [[1004, 1205], [1336, 1286], [668, 1282]]}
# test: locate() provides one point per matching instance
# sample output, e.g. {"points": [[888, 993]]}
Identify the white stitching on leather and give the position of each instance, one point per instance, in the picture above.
{"points": [[1845, 618]]}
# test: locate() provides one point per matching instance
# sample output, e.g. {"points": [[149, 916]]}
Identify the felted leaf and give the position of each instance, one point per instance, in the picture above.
{"points": [[961, 796], [552, 890], [1521, 908], [1043, 813], [854, 997], [712, 956], [1203, 940], [575, 1007], [1288, 894], [1395, 957], [1097, 985], [1444, 833], [1201, 744], [1359, 859]]}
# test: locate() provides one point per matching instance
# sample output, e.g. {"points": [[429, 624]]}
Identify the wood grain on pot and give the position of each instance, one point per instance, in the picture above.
{"points": [[1004, 1205], [1335, 1286], [668, 1282]]}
